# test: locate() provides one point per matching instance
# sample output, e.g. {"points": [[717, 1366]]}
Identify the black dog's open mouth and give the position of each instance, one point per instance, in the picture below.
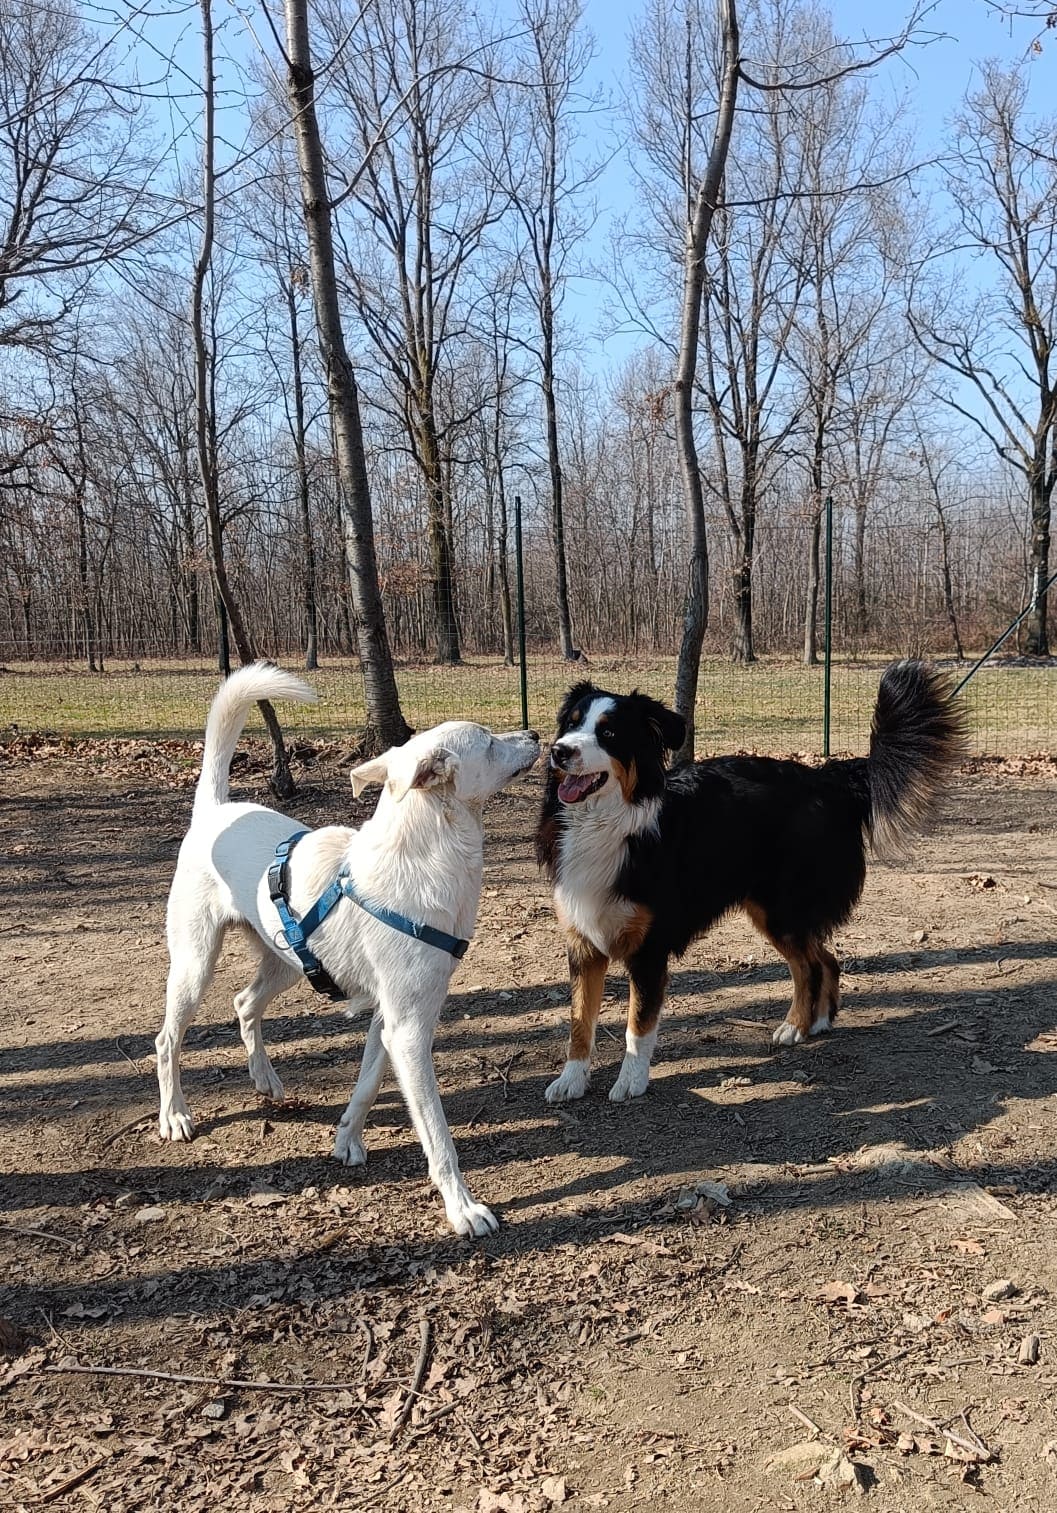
{"points": [[576, 786]]}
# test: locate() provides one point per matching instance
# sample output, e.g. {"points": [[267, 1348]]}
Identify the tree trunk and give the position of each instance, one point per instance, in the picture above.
{"points": [[698, 226], [948, 588], [1037, 640], [87, 628], [282, 783], [859, 569], [439, 529], [387, 725], [813, 580], [504, 571], [308, 543], [565, 631], [744, 650]]}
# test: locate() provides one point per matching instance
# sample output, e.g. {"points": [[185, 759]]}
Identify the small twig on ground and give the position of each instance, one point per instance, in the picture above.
{"points": [[978, 1448], [810, 1422], [258, 1385], [471, 1436], [856, 1383], [370, 1346], [941, 1029], [74, 1481], [133, 1064], [417, 1379], [478, 1111], [504, 1075], [732, 1260], [126, 1129], [605, 1030], [831, 1360], [444, 1411], [49, 1320], [41, 1234]]}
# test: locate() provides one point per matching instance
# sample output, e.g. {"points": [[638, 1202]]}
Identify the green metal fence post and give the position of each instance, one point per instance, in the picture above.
{"points": [[519, 562], [828, 643]]}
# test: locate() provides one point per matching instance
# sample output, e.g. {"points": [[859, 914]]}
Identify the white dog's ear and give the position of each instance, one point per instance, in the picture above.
{"points": [[435, 768], [374, 771]]}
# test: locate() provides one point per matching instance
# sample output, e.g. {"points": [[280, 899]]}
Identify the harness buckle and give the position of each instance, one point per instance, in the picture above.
{"points": [[320, 979]]}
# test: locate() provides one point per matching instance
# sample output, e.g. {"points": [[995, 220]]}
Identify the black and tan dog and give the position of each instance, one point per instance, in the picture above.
{"points": [[644, 858]]}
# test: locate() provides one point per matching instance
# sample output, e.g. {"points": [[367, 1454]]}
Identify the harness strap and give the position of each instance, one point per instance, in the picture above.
{"points": [[296, 932], [425, 933]]}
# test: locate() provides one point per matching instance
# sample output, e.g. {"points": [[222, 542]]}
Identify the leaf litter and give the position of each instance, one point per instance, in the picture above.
{"points": [[612, 1348]]}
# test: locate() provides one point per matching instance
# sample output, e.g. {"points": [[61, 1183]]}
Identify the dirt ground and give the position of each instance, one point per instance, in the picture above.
{"points": [[833, 1327]]}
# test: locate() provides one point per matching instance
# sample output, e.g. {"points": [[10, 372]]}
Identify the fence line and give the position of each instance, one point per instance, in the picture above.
{"points": [[772, 706]]}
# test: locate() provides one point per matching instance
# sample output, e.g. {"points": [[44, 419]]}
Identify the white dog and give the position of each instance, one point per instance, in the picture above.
{"points": [[419, 857]]}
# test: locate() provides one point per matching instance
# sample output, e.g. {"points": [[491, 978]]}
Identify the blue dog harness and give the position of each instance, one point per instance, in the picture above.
{"points": [[296, 932]]}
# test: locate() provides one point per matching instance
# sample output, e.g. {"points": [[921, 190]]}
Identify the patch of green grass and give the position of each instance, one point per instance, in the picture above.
{"points": [[772, 706]]}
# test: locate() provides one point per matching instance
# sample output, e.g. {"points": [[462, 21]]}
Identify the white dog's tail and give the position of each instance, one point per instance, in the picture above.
{"points": [[235, 698]]}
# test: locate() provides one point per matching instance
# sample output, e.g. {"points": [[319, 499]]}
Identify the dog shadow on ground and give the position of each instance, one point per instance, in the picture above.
{"points": [[939, 1065]]}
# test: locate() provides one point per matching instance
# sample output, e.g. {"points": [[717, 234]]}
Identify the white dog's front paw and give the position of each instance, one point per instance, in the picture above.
{"points": [[786, 1034], [573, 1083], [632, 1080], [176, 1123], [266, 1080], [349, 1148], [821, 1026], [469, 1218]]}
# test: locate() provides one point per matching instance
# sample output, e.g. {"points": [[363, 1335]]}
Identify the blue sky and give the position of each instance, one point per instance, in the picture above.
{"points": [[933, 79]]}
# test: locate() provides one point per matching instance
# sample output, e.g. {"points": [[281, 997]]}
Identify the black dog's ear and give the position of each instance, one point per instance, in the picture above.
{"points": [[670, 727], [673, 729], [572, 698]]}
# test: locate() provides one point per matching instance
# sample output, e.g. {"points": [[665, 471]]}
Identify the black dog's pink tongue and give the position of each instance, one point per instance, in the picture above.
{"points": [[574, 786]]}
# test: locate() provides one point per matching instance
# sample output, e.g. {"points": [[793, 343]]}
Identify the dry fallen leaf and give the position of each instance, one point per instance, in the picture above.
{"points": [[836, 1292]]}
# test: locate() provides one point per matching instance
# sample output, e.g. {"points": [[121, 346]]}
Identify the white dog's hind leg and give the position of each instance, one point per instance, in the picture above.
{"points": [[348, 1142], [192, 957], [273, 977], [410, 1047]]}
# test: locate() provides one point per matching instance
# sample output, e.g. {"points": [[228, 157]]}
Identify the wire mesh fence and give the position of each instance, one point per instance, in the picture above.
{"points": [[771, 706]]}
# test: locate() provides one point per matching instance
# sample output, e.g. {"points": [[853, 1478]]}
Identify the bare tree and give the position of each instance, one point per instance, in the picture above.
{"points": [[411, 96], [935, 469], [272, 217], [1002, 179], [701, 184], [229, 611], [547, 189], [72, 182], [388, 726], [672, 118], [885, 374], [856, 241]]}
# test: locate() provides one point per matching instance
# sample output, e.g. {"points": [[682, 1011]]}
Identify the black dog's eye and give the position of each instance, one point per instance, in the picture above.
{"points": [[603, 735]]}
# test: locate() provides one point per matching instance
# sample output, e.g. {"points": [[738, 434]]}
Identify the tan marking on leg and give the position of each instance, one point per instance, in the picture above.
{"points": [[634, 932], [805, 969], [587, 972], [829, 998]]}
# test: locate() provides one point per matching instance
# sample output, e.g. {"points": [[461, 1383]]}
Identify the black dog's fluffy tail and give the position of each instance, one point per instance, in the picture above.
{"points": [[918, 735]]}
